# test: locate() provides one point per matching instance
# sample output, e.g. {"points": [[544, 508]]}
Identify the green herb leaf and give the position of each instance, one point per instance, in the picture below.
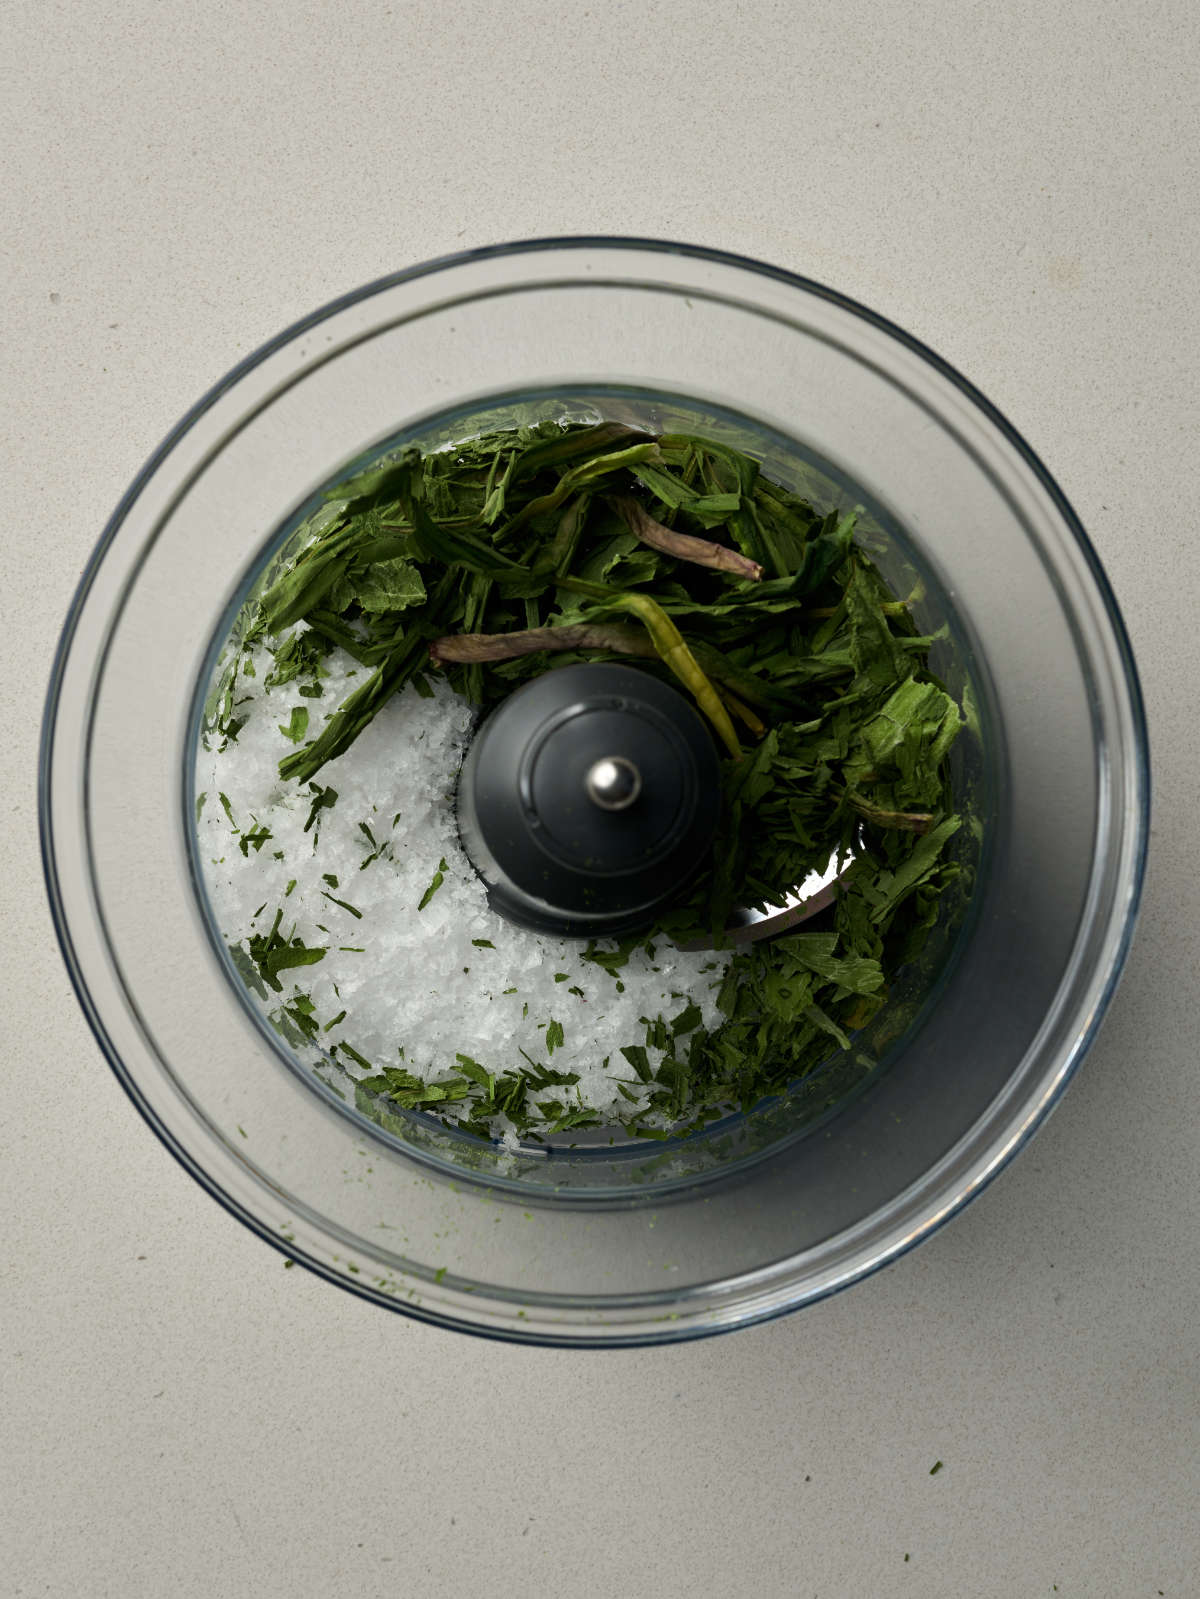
{"points": [[297, 724], [391, 585], [272, 954], [345, 904], [254, 839], [438, 880], [687, 1021], [323, 799], [636, 1055]]}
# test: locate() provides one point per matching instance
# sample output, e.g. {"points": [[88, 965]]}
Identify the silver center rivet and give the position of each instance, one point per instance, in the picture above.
{"points": [[614, 783]]}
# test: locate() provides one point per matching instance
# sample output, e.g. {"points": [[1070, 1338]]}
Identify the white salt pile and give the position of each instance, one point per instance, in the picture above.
{"points": [[451, 978]]}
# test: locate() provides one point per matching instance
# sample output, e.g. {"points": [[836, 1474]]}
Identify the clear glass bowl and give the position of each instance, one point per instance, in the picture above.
{"points": [[767, 1212]]}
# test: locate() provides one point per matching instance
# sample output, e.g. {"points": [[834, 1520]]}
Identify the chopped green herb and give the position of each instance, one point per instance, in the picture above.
{"points": [[601, 541], [687, 1021], [272, 953], [636, 1055], [322, 799], [344, 903], [350, 1050], [377, 849], [297, 725], [391, 585], [438, 880]]}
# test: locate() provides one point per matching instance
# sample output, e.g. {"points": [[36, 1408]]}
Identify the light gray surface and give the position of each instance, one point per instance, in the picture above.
{"points": [[1016, 184]]}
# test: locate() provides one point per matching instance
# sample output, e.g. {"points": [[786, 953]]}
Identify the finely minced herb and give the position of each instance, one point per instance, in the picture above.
{"points": [[438, 879], [345, 904]]}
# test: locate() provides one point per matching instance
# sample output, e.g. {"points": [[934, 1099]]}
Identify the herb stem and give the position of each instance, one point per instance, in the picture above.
{"points": [[471, 647], [672, 651], [701, 552]]}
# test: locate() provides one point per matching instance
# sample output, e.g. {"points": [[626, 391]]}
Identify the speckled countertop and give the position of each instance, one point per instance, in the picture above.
{"points": [[1018, 186]]}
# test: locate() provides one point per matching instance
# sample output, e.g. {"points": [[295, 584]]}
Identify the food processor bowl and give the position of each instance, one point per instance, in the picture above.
{"points": [[603, 1241]]}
